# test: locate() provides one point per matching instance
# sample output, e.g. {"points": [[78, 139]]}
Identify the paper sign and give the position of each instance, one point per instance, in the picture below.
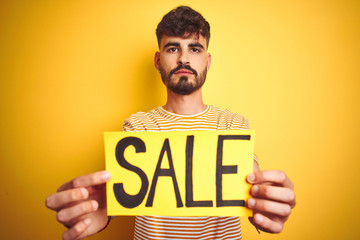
{"points": [[188, 173]]}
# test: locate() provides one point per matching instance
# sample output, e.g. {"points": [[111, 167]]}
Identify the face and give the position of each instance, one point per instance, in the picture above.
{"points": [[183, 63]]}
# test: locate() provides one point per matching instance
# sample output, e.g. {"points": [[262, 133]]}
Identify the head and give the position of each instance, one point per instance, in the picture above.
{"points": [[183, 37], [183, 22]]}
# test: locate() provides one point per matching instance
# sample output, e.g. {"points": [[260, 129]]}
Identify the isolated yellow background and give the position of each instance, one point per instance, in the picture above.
{"points": [[70, 70]]}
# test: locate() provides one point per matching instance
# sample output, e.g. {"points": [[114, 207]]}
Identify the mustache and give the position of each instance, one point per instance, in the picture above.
{"points": [[187, 67]]}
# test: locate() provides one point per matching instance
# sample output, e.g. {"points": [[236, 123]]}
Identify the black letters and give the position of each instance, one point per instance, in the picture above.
{"points": [[164, 172], [220, 170], [189, 194], [132, 201], [127, 200]]}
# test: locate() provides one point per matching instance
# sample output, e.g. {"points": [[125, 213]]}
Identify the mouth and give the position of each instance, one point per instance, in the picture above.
{"points": [[184, 72]]}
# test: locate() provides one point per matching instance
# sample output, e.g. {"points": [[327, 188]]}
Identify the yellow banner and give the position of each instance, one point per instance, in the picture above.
{"points": [[189, 173]]}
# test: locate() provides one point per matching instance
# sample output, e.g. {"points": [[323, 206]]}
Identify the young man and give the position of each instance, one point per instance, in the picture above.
{"points": [[183, 61]]}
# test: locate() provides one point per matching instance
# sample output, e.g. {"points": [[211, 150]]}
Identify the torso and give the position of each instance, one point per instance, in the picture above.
{"points": [[161, 227]]}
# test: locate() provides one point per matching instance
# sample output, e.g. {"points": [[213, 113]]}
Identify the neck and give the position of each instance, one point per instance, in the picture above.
{"points": [[185, 104]]}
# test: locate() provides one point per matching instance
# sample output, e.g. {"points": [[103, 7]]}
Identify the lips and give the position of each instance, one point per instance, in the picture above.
{"points": [[184, 71]]}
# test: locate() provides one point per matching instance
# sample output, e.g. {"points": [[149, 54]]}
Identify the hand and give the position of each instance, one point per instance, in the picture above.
{"points": [[81, 205], [272, 201]]}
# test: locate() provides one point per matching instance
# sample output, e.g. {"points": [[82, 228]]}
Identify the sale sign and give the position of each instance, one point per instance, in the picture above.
{"points": [[187, 173]]}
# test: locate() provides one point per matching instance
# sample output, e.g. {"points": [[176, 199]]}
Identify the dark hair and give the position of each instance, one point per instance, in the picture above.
{"points": [[183, 21]]}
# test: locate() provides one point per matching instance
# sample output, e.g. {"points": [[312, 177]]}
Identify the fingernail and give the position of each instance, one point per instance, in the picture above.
{"points": [[94, 204], [255, 189], [259, 219], [87, 221], [48, 201], [106, 176], [60, 216], [251, 202], [84, 192], [251, 177]]}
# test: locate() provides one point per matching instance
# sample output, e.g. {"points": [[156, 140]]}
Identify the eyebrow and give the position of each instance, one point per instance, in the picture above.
{"points": [[175, 44], [196, 45], [172, 44]]}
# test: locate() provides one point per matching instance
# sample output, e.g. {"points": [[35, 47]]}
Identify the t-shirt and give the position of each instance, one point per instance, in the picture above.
{"points": [[208, 227]]}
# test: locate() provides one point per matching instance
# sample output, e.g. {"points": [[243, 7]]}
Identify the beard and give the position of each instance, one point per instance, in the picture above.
{"points": [[183, 86]]}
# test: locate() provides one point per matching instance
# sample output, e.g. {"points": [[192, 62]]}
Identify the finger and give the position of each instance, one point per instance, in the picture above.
{"points": [[60, 199], [273, 193], [89, 180], [76, 230], [273, 176], [266, 206], [266, 224], [67, 214]]}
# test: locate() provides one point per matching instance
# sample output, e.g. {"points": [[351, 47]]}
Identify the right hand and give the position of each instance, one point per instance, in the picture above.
{"points": [[81, 205]]}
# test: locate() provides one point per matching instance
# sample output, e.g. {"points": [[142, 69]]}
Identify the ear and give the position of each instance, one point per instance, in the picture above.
{"points": [[208, 61], [157, 61]]}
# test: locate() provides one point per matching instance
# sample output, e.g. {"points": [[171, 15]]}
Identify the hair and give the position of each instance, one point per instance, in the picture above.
{"points": [[183, 21]]}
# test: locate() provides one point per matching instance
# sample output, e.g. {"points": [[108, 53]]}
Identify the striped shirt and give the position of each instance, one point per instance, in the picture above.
{"points": [[161, 227]]}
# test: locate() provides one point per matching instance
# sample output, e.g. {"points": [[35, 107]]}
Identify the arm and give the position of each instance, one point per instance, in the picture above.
{"points": [[273, 197], [81, 205]]}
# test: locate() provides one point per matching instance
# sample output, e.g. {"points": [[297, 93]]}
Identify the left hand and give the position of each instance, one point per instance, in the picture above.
{"points": [[272, 199]]}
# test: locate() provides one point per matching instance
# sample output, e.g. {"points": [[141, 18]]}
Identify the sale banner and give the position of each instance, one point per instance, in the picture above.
{"points": [[185, 173]]}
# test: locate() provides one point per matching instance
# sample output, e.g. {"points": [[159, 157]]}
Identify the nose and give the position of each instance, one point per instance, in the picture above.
{"points": [[183, 58]]}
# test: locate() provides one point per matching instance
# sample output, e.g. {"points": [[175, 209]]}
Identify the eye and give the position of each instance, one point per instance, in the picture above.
{"points": [[195, 50], [172, 49]]}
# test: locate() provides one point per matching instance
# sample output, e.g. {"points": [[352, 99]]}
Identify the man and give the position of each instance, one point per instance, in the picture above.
{"points": [[183, 61]]}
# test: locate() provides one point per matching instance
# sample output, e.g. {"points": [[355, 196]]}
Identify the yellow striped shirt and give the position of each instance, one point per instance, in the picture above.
{"points": [[162, 227]]}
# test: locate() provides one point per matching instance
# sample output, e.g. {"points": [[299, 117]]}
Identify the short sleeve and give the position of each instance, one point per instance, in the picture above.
{"points": [[127, 126]]}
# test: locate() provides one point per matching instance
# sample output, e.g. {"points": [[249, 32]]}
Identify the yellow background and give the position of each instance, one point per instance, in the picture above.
{"points": [[70, 70], [237, 153]]}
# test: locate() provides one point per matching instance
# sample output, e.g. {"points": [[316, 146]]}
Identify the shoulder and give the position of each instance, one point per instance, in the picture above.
{"points": [[230, 120], [140, 121]]}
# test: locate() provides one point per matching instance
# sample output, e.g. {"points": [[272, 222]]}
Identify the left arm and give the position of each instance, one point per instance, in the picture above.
{"points": [[272, 199]]}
